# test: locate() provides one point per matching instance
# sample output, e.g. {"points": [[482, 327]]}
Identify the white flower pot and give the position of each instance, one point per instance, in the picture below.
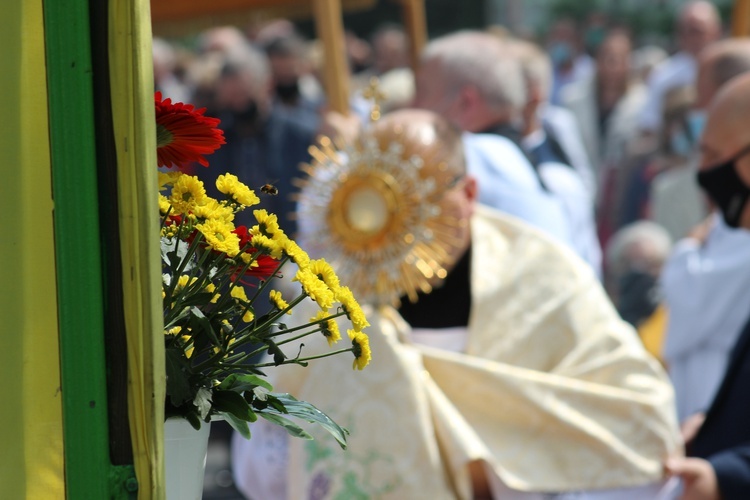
{"points": [[185, 458]]}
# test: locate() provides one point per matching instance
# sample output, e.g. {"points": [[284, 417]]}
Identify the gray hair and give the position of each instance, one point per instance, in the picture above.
{"points": [[248, 62], [642, 246], [535, 63], [481, 60]]}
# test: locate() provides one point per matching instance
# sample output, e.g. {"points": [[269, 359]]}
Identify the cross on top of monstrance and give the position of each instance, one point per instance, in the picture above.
{"points": [[373, 93]]}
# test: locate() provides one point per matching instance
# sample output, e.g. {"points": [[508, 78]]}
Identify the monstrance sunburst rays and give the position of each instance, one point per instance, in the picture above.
{"points": [[375, 210]]}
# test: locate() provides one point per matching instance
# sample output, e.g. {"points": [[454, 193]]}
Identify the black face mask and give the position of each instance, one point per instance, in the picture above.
{"points": [[287, 92], [725, 187], [249, 116]]}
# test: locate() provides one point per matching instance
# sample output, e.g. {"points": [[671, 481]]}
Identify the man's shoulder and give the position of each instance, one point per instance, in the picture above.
{"points": [[673, 68], [496, 156], [299, 123], [509, 231]]}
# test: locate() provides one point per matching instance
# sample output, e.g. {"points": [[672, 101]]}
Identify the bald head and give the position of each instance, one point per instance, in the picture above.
{"points": [[438, 143], [698, 25], [728, 122], [717, 64], [726, 139], [424, 128]]}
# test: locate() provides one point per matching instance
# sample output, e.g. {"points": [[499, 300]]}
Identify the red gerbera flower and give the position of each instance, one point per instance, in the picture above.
{"points": [[266, 267], [183, 134]]}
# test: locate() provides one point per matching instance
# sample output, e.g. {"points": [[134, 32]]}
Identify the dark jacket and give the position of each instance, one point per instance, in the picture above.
{"points": [[724, 438], [269, 153]]}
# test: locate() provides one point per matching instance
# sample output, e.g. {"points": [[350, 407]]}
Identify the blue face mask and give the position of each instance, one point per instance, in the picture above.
{"points": [[680, 145], [560, 52], [696, 121]]}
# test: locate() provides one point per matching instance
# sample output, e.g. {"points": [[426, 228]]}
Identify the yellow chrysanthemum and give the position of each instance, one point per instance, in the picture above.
{"points": [[173, 331], [187, 194], [275, 297], [360, 349], [230, 185], [248, 257], [329, 327], [249, 316], [266, 244], [212, 209], [295, 252], [324, 271], [268, 224], [211, 288], [351, 307], [315, 288], [219, 236], [167, 179], [238, 292], [188, 345], [216, 350], [183, 281], [164, 205]]}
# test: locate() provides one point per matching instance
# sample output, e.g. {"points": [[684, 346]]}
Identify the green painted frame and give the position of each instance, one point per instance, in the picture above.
{"points": [[78, 249]]}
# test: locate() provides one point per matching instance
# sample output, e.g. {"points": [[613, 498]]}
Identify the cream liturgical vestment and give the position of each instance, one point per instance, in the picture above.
{"points": [[553, 392]]}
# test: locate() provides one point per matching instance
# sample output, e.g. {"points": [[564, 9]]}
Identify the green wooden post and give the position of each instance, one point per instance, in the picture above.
{"points": [[78, 253]]}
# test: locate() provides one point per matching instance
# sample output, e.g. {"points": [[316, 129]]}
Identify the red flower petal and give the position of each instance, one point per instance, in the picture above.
{"points": [[188, 135]]}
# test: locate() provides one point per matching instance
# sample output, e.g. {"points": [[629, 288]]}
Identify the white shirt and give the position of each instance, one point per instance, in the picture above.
{"points": [[706, 290], [578, 207], [508, 182], [677, 202], [680, 69], [563, 124], [565, 184]]}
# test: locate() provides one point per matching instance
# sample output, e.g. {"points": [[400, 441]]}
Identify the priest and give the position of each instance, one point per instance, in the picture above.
{"points": [[502, 372]]}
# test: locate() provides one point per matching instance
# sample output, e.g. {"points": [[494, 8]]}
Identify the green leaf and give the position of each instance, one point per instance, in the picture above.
{"points": [[243, 382], [237, 424], [278, 354], [194, 419], [275, 403], [309, 413], [201, 323], [198, 298], [178, 387], [292, 428], [233, 402]]}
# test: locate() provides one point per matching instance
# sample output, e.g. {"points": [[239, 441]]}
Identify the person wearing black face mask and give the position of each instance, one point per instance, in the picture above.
{"points": [[265, 144], [289, 71], [726, 188], [719, 442]]}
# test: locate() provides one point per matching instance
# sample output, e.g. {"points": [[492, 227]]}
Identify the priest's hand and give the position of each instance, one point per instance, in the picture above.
{"points": [[698, 478], [336, 125], [690, 427]]}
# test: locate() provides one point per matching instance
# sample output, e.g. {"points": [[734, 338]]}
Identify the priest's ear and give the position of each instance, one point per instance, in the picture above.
{"points": [[471, 189]]}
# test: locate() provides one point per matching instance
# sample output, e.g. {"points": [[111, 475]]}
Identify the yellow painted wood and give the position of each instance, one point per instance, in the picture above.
{"points": [[330, 28], [741, 18], [415, 21], [31, 456], [131, 75]]}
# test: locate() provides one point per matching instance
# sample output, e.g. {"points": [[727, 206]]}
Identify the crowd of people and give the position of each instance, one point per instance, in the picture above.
{"points": [[615, 175]]}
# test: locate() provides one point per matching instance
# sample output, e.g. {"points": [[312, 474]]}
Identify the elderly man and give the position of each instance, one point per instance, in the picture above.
{"points": [[550, 154], [705, 278], [697, 27], [514, 378], [721, 448], [265, 144], [455, 80]]}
